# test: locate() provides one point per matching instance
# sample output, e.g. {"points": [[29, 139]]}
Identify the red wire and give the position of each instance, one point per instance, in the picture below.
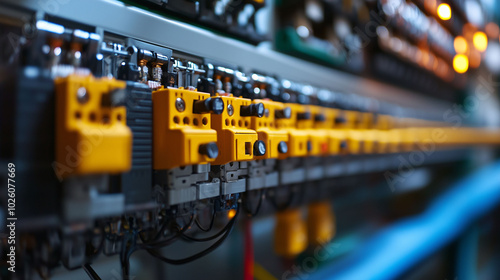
{"points": [[248, 253]]}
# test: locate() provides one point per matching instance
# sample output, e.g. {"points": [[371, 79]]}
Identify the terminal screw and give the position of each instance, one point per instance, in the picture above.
{"points": [[343, 144], [282, 147], [210, 150], [259, 148], [82, 95], [180, 105]]}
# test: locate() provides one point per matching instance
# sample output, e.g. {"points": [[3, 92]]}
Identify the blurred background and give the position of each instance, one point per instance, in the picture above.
{"points": [[414, 85]]}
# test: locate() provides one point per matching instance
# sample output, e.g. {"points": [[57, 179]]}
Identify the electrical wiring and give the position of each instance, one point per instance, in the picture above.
{"points": [[129, 247], [247, 209], [283, 206], [205, 239], [91, 272], [93, 251], [163, 243], [210, 226], [208, 250]]}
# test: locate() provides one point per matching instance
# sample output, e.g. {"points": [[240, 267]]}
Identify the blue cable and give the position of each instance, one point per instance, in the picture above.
{"points": [[402, 245]]}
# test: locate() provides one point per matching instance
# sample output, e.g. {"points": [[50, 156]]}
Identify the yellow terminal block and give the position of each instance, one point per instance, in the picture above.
{"points": [[323, 120], [355, 141], [91, 134], [381, 143], [384, 122], [393, 140], [236, 138], [276, 140], [365, 120], [320, 223], [351, 119], [290, 233], [182, 128], [298, 139], [332, 123], [409, 138], [370, 143], [337, 141]]}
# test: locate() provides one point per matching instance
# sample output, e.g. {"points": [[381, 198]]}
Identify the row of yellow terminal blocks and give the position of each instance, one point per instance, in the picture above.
{"points": [[192, 127]]}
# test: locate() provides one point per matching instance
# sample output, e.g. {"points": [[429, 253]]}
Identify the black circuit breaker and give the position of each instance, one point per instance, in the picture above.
{"points": [[136, 184]]}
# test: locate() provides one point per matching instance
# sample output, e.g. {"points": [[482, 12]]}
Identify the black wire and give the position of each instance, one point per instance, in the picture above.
{"points": [[163, 243], [200, 254], [162, 228], [129, 246], [205, 239], [247, 209], [41, 274], [91, 272], [95, 250], [283, 206], [211, 222]]}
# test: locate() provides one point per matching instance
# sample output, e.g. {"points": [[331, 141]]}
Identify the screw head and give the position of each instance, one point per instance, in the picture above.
{"points": [[82, 95], [210, 150], [343, 144], [230, 109], [217, 105], [259, 148], [259, 110], [282, 147], [180, 105]]}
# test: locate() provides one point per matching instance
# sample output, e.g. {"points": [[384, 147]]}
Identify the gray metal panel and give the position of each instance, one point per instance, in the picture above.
{"points": [[117, 17], [206, 190], [297, 175], [232, 187]]}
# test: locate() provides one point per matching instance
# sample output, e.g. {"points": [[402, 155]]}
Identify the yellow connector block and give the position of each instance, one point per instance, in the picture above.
{"points": [[323, 121], [181, 137], [365, 121], [290, 233], [393, 140], [276, 140], [297, 138], [236, 138], [337, 141], [355, 141], [409, 138], [384, 122], [352, 119], [370, 141], [317, 140], [381, 142], [320, 223], [91, 134], [331, 122]]}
